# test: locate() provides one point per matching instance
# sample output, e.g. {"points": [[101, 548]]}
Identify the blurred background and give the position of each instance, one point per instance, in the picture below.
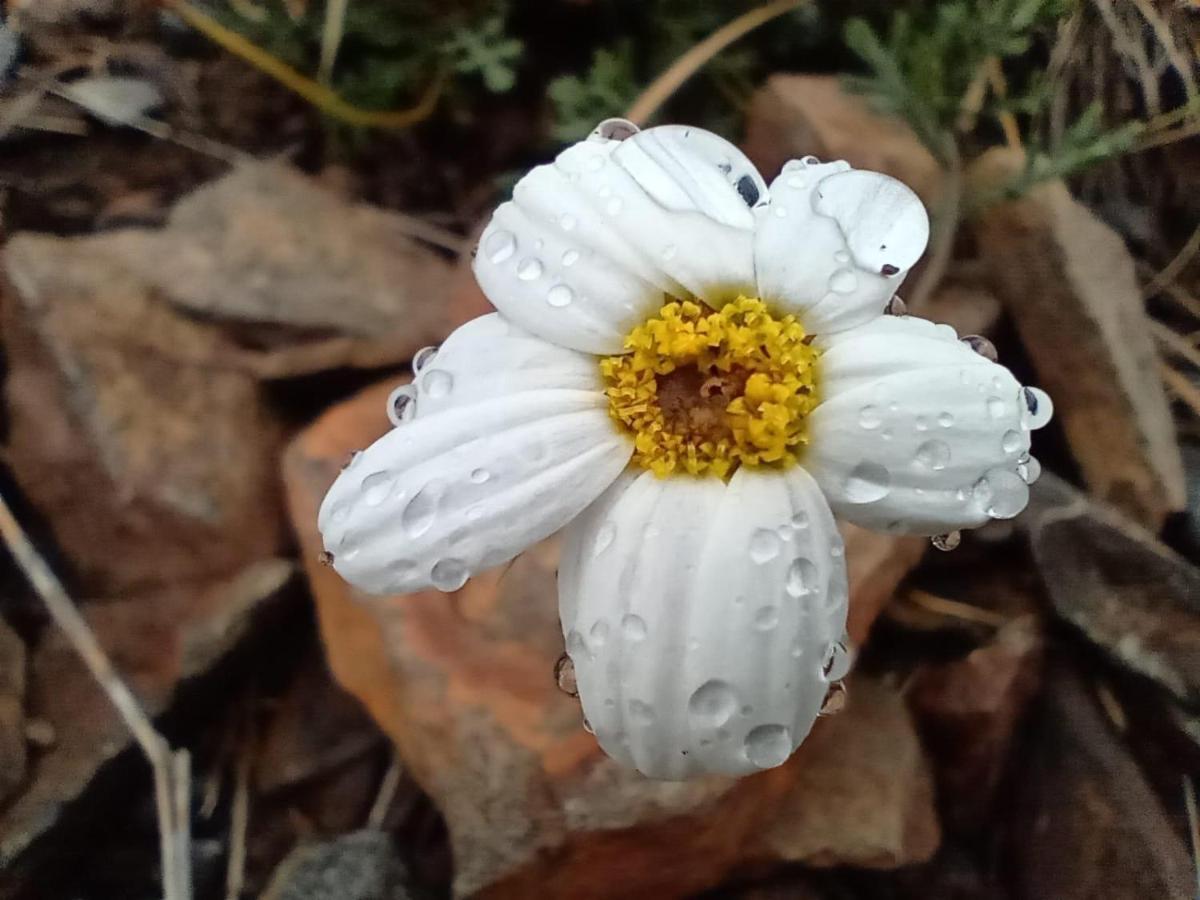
{"points": [[227, 227]]}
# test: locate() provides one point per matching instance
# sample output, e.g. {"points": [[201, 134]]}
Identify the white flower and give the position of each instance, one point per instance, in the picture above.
{"points": [[703, 612]]}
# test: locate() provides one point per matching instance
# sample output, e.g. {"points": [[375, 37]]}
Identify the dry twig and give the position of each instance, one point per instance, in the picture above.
{"points": [[239, 824], [1181, 386], [172, 776], [387, 793]]}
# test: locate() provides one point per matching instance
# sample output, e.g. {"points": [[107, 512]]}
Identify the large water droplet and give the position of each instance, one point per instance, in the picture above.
{"points": [[559, 296], [1030, 470], [933, 455], [633, 627], [843, 281], [869, 417], [437, 383], [530, 269], [767, 617], [569, 258], [801, 578], [564, 676], [376, 487], [1038, 406], [764, 545], [996, 408], [836, 662], [947, 542], [713, 703], [402, 404], [449, 574], [499, 246], [896, 307], [768, 746], [421, 510], [867, 482], [605, 535], [835, 700], [641, 712], [1006, 493], [423, 358], [1011, 442], [982, 346]]}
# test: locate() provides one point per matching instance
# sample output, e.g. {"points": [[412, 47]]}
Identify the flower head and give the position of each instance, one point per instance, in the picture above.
{"points": [[690, 374]]}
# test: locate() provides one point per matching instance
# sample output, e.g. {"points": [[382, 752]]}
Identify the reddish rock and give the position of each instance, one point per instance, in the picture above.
{"points": [[969, 711], [464, 685], [149, 456]]}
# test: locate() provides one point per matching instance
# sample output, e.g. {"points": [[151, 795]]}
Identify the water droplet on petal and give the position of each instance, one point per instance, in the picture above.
{"points": [[947, 542], [810, 161], [599, 633], [1030, 470], [796, 182], [836, 662], [713, 703], [641, 712], [933, 455], [1006, 493], [996, 408], [376, 487], [422, 358], [867, 482], [437, 383], [479, 476], [1039, 407], [835, 700], [768, 746], [982, 346], [604, 538], [869, 417], [499, 246], [421, 510], [800, 521], [842, 257], [567, 222], [576, 646], [559, 296], [921, 423], [530, 269], [449, 574], [1011, 442], [767, 617], [325, 558], [946, 419], [402, 404], [633, 627], [896, 307], [801, 578], [564, 676], [764, 545], [569, 258], [843, 281]]}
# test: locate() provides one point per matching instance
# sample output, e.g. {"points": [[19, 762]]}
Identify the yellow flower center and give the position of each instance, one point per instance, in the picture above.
{"points": [[705, 392]]}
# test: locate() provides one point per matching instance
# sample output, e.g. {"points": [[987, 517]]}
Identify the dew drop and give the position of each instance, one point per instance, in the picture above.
{"points": [[767, 617], [1039, 407], [797, 182], [1006, 493], [842, 257], [530, 269], [896, 307], [437, 383], [801, 578], [867, 482], [764, 545], [559, 296], [947, 542], [835, 665], [449, 574], [479, 476], [569, 258], [921, 423], [800, 521], [768, 746], [633, 627], [376, 487], [1011, 442], [605, 535], [933, 455], [996, 408], [982, 346], [1029, 470], [810, 161], [713, 703], [421, 510], [567, 222], [641, 712], [843, 281], [564, 676], [869, 417], [402, 404], [576, 646], [599, 633], [422, 358], [499, 246], [835, 700], [780, 211], [946, 419]]}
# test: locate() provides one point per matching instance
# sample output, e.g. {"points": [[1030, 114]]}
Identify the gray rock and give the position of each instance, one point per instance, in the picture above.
{"points": [[359, 866]]}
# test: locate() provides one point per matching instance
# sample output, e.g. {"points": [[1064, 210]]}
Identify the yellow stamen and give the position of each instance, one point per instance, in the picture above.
{"points": [[705, 392]]}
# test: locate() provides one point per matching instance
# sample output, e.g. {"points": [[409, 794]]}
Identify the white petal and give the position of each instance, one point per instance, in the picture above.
{"points": [[588, 246], [918, 433], [834, 244], [700, 616], [491, 357], [447, 495]]}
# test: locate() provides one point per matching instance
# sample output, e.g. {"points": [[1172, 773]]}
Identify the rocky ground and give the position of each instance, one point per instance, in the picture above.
{"points": [[192, 346]]}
